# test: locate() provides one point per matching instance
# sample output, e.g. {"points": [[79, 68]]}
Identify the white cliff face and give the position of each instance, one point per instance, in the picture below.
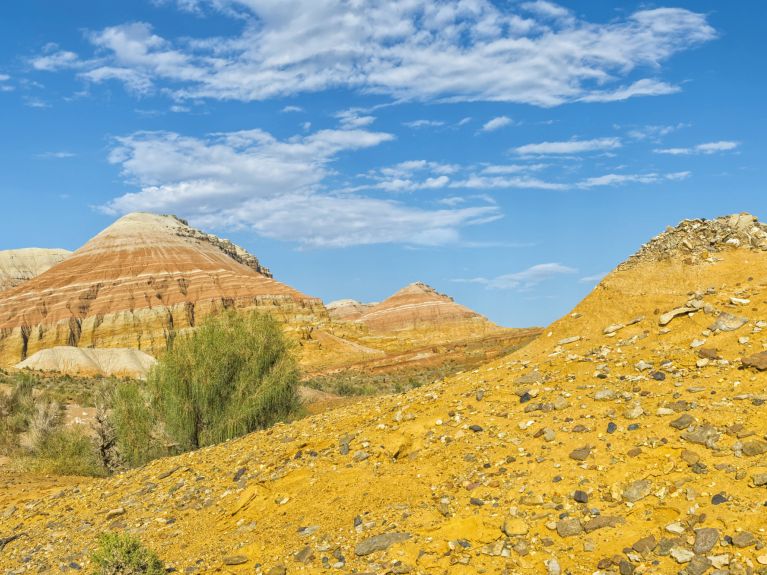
{"points": [[18, 266]]}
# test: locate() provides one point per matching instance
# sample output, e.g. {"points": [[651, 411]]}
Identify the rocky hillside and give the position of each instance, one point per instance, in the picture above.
{"points": [[18, 266], [629, 438], [136, 285]]}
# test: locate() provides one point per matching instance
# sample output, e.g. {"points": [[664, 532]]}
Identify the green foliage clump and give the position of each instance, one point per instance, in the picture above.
{"points": [[68, 451], [119, 554], [17, 409], [232, 375]]}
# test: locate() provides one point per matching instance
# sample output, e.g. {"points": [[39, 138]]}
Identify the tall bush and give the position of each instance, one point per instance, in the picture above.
{"points": [[232, 375]]}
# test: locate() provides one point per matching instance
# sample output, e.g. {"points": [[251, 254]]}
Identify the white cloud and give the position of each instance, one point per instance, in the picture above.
{"points": [[424, 124], [56, 155], [277, 188], [539, 53], [653, 132], [596, 278], [525, 279], [505, 169], [619, 179], [569, 147], [353, 119], [4, 77], [643, 87], [707, 148], [52, 59], [289, 109], [496, 124]]}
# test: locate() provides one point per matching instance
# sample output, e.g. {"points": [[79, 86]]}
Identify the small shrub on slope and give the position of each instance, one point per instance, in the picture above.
{"points": [[119, 554]]}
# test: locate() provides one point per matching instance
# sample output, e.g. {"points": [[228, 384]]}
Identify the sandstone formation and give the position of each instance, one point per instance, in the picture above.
{"points": [[611, 444], [18, 266], [118, 362], [417, 306], [417, 328], [136, 285], [347, 309]]}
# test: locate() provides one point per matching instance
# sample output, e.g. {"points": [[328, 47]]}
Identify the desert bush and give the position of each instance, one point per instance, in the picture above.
{"points": [[232, 375], [16, 410], [135, 426], [44, 420], [67, 451], [122, 554]]}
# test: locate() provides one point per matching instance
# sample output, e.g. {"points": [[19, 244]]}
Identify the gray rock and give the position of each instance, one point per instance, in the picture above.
{"points": [[612, 328], [306, 555], [637, 490], [600, 522], [728, 322], [666, 318], [580, 454], [705, 539], [552, 566], [758, 361], [235, 560], [645, 545], [698, 566], [379, 543], [702, 435], [683, 421], [754, 447], [569, 527], [744, 539]]}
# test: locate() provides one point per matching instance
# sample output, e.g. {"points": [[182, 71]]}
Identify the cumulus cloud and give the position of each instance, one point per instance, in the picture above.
{"points": [[569, 147], [496, 124], [707, 148], [536, 53], [524, 279], [277, 188]]}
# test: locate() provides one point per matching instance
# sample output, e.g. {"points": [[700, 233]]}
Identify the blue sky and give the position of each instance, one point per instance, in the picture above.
{"points": [[508, 153]]}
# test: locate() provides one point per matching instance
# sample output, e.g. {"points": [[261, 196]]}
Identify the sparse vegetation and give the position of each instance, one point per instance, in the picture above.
{"points": [[67, 451], [31, 430], [122, 554]]}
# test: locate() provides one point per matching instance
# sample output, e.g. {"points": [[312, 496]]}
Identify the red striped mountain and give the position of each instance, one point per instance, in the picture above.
{"points": [[137, 284]]}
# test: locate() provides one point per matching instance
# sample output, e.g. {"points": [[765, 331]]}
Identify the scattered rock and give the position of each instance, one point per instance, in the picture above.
{"points": [[666, 318], [580, 454], [754, 447], [705, 539], [569, 527], [637, 490], [379, 543], [758, 361], [728, 322], [235, 560]]}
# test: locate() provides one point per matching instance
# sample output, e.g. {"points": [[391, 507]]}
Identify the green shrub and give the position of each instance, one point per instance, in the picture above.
{"points": [[119, 554], [68, 451], [135, 425], [232, 375]]}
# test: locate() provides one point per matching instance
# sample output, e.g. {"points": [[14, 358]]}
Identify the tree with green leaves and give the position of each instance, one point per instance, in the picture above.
{"points": [[232, 375]]}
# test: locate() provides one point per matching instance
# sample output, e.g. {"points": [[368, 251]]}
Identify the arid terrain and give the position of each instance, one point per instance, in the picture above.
{"points": [[627, 438]]}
